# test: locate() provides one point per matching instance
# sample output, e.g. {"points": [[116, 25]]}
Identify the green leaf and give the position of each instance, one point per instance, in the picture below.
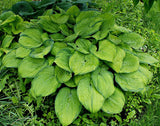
{"points": [[146, 58], [22, 52], [114, 39], [73, 11], [81, 45], [106, 50], [86, 14], [50, 60], [5, 15], [130, 63], [59, 18], [103, 81], [114, 104], [48, 25], [71, 38], [62, 75], [82, 64], [67, 105], [108, 23], [134, 81], [70, 83], [7, 41], [148, 74], [57, 37], [118, 60], [89, 97], [62, 58], [132, 39], [57, 46], [40, 52], [45, 82], [10, 60], [31, 38], [88, 26], [65, 30], [117, 30], [77, 78], [29, 67]]}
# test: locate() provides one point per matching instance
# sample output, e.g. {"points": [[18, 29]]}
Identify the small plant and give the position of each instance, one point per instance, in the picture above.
{"points": [[82, 56]]}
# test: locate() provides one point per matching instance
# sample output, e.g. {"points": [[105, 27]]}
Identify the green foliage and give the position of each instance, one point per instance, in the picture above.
{"points": [[97, 72], [135, 103], [33, 9], [147, 4]]}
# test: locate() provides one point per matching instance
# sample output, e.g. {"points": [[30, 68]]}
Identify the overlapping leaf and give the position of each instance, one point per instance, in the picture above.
{"points": [[45, 82]]}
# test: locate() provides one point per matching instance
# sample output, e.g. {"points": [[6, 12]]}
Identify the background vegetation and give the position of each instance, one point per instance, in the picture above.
{"points": [[18, 108]]}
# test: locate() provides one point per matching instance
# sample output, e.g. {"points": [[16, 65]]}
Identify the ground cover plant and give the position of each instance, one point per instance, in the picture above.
{"points": [[70, 45]]}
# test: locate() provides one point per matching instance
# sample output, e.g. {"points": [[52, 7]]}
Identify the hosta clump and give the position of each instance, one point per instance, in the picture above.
{"points": [[86, 55]]}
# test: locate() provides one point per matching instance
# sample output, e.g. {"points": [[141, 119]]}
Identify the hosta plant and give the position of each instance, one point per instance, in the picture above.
{"points": [[82, 56]]}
